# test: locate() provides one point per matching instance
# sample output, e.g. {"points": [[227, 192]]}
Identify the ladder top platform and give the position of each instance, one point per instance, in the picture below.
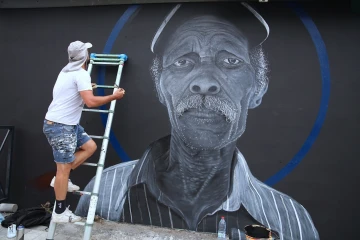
{"points": [[123, 57]]}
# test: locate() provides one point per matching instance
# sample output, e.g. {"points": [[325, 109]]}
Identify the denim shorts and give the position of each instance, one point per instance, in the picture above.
{"points": [[64, 140]]}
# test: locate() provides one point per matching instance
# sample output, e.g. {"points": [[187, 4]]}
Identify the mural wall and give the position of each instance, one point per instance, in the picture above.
{"points": [[227, 113], [208, 72]]}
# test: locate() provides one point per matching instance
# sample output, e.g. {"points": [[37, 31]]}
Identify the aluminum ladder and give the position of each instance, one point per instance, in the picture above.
{"points": [[97, 59]]}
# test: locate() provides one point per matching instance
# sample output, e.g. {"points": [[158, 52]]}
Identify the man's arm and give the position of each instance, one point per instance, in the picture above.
{"points": [[96, 101]]}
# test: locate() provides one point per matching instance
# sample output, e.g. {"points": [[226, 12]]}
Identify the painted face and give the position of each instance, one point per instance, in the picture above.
{"points": [[207, 81]]}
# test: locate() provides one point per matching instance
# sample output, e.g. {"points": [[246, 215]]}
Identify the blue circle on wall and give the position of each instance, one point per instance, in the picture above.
{"points": [[325, 90]]}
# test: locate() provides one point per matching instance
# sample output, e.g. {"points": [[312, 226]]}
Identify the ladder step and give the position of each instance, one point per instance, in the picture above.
{"points": [[98, 137], [94, 55], [107, 63], [106, 59], [93, 164], [80, 223], [90, 164], [112, 56], [105, 86], [81, 193], [97, 110]]}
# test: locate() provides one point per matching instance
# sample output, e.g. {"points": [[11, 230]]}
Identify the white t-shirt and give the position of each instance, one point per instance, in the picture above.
{"points": [[67, 104]]}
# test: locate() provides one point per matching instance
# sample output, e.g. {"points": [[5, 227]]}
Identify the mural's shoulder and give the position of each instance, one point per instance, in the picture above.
{"points": [[277, 194], [291, 211], [120, 166]]}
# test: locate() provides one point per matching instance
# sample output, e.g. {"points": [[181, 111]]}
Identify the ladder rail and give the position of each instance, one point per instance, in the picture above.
{"points": [[52, 228], [90, 67]]}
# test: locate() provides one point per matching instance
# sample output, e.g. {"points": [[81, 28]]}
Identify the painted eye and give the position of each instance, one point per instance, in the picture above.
{"points": [[232, 61], [182, 62]]}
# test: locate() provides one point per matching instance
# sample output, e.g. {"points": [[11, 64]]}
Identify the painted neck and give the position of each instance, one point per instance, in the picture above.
{"points": [[190, 158], [199, 173], [196, 181]]}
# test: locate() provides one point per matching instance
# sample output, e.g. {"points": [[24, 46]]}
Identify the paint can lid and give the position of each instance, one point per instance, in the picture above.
{"points": [[20, 227]]}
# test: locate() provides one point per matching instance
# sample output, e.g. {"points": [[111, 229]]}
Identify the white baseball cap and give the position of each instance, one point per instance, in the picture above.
{"points": [[78, 54]]}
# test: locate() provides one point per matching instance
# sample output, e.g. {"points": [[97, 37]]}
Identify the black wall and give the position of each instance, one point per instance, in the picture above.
{"points": [[33, 46]]}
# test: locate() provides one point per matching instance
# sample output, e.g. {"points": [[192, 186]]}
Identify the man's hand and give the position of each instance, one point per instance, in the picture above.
{"points": [[95, 101], [119, 93]]}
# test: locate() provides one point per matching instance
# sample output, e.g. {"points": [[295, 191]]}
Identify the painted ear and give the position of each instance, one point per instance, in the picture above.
{"points": [[155, 70], [260, 64], [256, 99]]}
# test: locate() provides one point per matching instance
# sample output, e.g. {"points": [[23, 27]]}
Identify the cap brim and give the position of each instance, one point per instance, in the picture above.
{"points": [[88, 45]]}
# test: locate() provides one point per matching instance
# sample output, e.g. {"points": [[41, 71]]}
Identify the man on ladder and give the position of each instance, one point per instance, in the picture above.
{"points": [[70, 143]]}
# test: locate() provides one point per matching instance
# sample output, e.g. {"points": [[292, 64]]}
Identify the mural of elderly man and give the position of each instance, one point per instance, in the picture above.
{"points": [[208, 71]]}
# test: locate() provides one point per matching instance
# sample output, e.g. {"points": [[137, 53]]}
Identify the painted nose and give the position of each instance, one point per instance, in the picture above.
{"points": [[205, 86]]}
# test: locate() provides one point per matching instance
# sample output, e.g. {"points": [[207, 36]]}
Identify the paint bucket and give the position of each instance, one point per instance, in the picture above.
{"points": [[8, 207], [257, 232]]}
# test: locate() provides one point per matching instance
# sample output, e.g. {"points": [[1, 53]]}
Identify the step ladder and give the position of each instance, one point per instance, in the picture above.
{"points": [[97, 59]]}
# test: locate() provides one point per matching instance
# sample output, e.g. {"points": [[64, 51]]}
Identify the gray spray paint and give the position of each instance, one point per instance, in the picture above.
{"points": [[207, 77]]}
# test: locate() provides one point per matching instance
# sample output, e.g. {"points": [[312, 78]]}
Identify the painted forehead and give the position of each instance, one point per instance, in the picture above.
{"points": [[204, 29]]}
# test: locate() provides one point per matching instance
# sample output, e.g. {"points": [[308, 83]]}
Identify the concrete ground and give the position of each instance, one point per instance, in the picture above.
{"points": [[106, 230]]}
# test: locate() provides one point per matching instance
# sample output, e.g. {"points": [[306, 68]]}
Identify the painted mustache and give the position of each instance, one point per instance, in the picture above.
{"points": [[216, 104]]}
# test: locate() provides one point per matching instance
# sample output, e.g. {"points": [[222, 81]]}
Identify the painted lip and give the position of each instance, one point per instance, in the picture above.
{"points": [[204, 114]]}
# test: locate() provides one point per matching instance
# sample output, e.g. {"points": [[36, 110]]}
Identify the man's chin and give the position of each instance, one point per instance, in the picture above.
{"points": [[204, 144], [216, 124], [204, 138]]}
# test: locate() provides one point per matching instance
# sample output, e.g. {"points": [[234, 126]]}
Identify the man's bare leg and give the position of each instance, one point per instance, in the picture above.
{"points": [[62, 214], [61, 187], [62, 181], [63, 170], [62, 178], [85, 151]]}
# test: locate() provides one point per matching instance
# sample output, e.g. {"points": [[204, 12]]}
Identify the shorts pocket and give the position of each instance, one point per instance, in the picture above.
{"points": [[51, 129], [69, 129]]}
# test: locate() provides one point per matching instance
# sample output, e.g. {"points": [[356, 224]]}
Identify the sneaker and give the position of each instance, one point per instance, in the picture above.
{"points": [[65, 217], [11, 232], [71, 187]]}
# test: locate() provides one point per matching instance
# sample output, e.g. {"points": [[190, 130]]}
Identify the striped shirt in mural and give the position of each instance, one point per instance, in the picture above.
{"points": [[129, 193]]}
